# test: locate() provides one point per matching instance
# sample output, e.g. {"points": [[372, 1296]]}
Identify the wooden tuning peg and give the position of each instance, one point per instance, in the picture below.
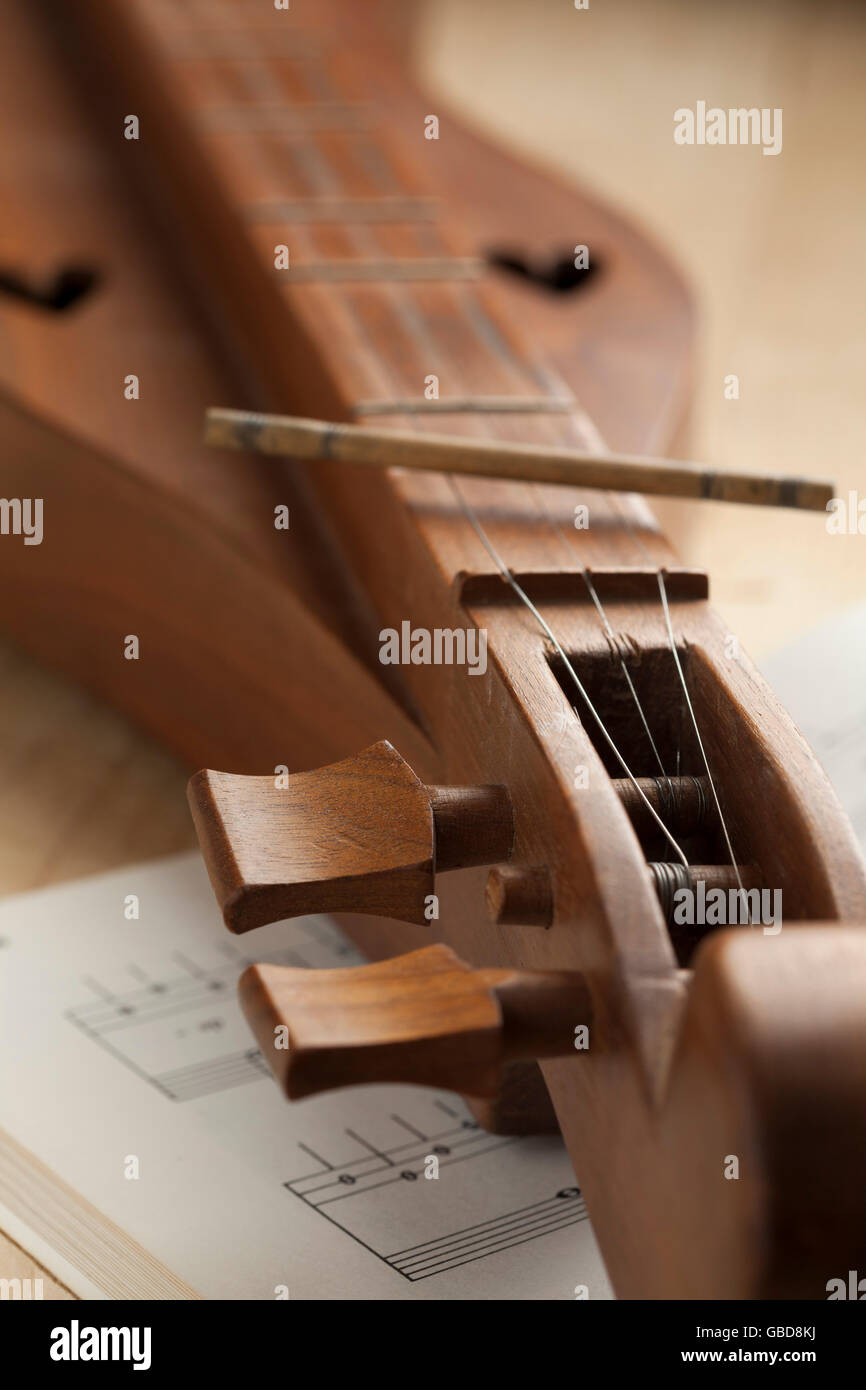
{"points": [[425, 1018], [363, 835]]}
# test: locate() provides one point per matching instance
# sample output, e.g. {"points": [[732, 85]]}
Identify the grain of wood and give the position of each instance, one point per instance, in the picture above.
{"points": [[765, 573]]}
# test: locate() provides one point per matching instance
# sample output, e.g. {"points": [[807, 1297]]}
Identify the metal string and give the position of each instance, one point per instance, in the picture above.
{"points": [[593, 593], [676, 656], [472, 518], [674, 652]]}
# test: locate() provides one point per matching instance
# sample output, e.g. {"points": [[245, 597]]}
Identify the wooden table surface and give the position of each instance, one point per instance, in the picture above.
{"points": [[773, 249]]}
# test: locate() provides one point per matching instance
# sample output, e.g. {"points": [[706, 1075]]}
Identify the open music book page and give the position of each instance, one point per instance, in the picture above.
{"points": [[146, 1151]]}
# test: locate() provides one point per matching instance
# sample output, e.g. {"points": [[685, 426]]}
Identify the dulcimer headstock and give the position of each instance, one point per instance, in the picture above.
{"points": [[707, 1035]]}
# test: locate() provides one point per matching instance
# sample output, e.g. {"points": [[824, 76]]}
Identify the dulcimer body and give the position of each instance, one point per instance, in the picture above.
{"points": [[284, 236]]}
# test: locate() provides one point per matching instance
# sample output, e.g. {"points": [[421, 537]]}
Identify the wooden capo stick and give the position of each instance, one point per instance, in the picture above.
{"points": [[317, 439]]}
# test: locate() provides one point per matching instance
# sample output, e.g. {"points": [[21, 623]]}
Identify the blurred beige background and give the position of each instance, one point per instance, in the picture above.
{"points": [[772, 246]]}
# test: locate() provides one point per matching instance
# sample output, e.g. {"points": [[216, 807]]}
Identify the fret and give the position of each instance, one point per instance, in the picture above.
{"points": [[351, 210], [237, 46], [470, 405], [447, 268], [275, 117]]}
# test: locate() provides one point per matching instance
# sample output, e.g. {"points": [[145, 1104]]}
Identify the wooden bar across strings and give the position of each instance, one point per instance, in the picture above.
{"points": [[357, 444]]}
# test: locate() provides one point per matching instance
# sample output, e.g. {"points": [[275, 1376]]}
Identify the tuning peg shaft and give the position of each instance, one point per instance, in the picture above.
{"points": [[426, 1018], [363, 835]]}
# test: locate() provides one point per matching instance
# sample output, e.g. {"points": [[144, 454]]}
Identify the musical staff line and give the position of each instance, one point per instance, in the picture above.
{"points": [[349, 1195], [501, 1233], [193, 1014]]}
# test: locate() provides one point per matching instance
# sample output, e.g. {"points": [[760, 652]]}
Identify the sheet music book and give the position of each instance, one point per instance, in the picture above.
{"points": [[146, 1151]]}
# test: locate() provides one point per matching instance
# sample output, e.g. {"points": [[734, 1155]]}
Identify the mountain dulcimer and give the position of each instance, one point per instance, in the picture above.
{"points": [[493, 726]]}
